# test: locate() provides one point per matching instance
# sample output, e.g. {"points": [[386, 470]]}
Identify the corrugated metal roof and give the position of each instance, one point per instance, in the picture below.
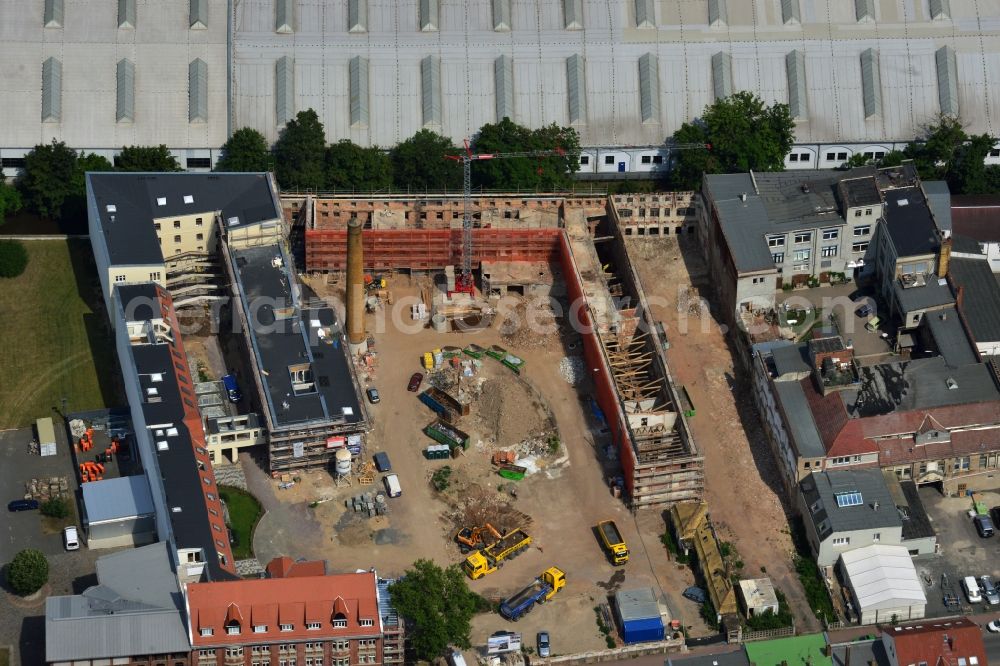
{"points": [[649, 88], [428, 15], [125, 91], [197, 91], [117, 499], [871, 83], [430, 90], [790, 12], [503, 74], [359, 90], [795, 70], [718, 13], [645, 14], [637, 604], [573, 14], [357, 16], [54, 11], [198, 14], [576, 86], [501, 15], [947, 76], [126, 13], [940, 10], [722, 74], [284, 20], [864, 10], [284, 89], [51, 90]]}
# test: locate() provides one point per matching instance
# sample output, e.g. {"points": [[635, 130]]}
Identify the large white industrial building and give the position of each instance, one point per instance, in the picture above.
{"points": [[100, 74]]}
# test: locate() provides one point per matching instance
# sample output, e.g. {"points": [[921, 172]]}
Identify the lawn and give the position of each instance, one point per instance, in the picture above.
{"points": [[244, 512], [54, 343]]}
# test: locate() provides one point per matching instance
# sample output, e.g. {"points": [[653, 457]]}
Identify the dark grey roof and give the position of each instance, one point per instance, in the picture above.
{"points": [[135, 197], [637, 604], [860, 652], [212, 424], [909, 222], [860, 191], [939, 198], [917, 384], [949, 337], [737, 657], [934, 293], [135, 609], [791, 359], [799, 419], [117, 499], [916, 523], [828, 518], [280, 343], [178, 467], [980, 296], [965, 245]]}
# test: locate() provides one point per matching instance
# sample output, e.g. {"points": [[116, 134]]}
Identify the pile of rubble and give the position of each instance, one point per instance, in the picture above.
{"points": [[521, 331], [572, 369], [690, 302], [478, 506], [370, 503], [45, 489]]}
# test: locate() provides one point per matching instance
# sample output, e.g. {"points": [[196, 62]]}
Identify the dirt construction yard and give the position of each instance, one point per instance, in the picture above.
{"points": [[558, 504], [741, 480]]}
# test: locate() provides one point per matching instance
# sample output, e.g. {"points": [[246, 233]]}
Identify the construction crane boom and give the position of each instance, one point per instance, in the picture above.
{"points": [[465, 282]]}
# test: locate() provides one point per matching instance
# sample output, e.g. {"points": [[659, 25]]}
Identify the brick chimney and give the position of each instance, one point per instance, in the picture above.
{"points": [[944, 257]]}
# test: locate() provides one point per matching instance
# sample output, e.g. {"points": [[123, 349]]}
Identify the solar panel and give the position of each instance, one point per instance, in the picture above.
{"points": [[849, 499]]}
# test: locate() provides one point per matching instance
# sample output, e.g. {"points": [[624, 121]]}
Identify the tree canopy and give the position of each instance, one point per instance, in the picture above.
{"points": [[439, 605], [739, 133], [13, 258], [351, 167], [146, 158], [419, 163], [536, 173], [246, 150], [948, 153], [300, 153], [48, 178], [28, 572], [10, 200], [890, 159]]}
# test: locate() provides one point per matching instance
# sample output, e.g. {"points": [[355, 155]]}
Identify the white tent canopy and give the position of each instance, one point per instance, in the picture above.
{"points": [[883, 578]]}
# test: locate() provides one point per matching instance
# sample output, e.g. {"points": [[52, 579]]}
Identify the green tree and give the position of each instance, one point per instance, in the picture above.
{"points": [[419, 163], [933, 155], [246, 150], [75, 204], [28, 572], [10, 200], [439, 604], [537, 173], [739, 133], [48, 178], [57, 507], [948, 153], [890, 159], [13, 258], [300, 153], [147, 158], [351, 167]]}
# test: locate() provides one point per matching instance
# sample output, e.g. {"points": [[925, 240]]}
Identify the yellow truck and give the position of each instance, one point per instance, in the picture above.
{"points": [[613, 542], [492, 557]]}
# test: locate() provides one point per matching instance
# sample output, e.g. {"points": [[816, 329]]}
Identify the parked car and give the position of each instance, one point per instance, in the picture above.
{"points": [[543, 644], [984, 526], [71, 540], [971, 588], [392, 487], [695, 594], [989, 590], [373, 396], [415, 380], [382, 463], [864, 311], [994, 627], [23, 505]]}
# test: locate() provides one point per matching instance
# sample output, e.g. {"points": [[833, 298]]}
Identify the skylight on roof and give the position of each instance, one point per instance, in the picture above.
{"points": [[188, 199], [156, 377], [849, 499], [903, 202], [162, 445], [111, 208], [161, 201], [172, 432]]}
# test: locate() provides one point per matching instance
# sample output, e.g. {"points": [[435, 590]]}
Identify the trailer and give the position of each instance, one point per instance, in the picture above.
{"points": [[538, 591], [614, 544], [512, 472], [474, 350], [491, 558], [497, 352]]}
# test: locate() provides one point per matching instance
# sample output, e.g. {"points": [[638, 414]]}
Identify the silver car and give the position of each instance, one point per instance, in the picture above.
{"points": [[990, 593]]}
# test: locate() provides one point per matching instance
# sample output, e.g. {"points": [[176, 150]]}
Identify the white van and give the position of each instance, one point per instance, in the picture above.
{"points": [[972, 589], [71, 539], [456, 658], [392, 486]]}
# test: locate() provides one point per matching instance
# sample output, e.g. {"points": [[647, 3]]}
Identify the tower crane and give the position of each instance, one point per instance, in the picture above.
{"points": [[465, 282]]}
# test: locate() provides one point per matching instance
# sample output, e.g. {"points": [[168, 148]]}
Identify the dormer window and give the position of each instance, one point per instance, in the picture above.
{"points": [[366, 623], [340, 624], [312, 626], [286, 627], [206, 631], [260, 628], [233, 628]]}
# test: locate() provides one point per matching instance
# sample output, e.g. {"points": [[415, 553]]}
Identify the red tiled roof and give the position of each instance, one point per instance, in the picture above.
{"points": [[937, 642], [286, 567], [303, 599], [962, 442]]}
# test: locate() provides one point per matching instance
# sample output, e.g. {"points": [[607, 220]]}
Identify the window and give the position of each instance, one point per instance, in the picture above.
{"points": [[756, 280], [177, 239], [177, 224], [199, 163], [312, 626], [119, 278], [859, 247], [993, 153], [156, 226], [778, 257], [841, 541], [286, 627], [200, 237], [205, 631], [805, 157], [657, 159], [776, 241], [609, 159], [849, 499], [841, 156], [829, 251], [803, 237], [234, 651], [339, 624], [868, 212], [961, 464], [857, 213], [831, 234], [863, 230], [802, 255], [153, 277], [584, 159], [794, 157], [646, 159], [877, 537], [233, 629], [19, 162]]}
